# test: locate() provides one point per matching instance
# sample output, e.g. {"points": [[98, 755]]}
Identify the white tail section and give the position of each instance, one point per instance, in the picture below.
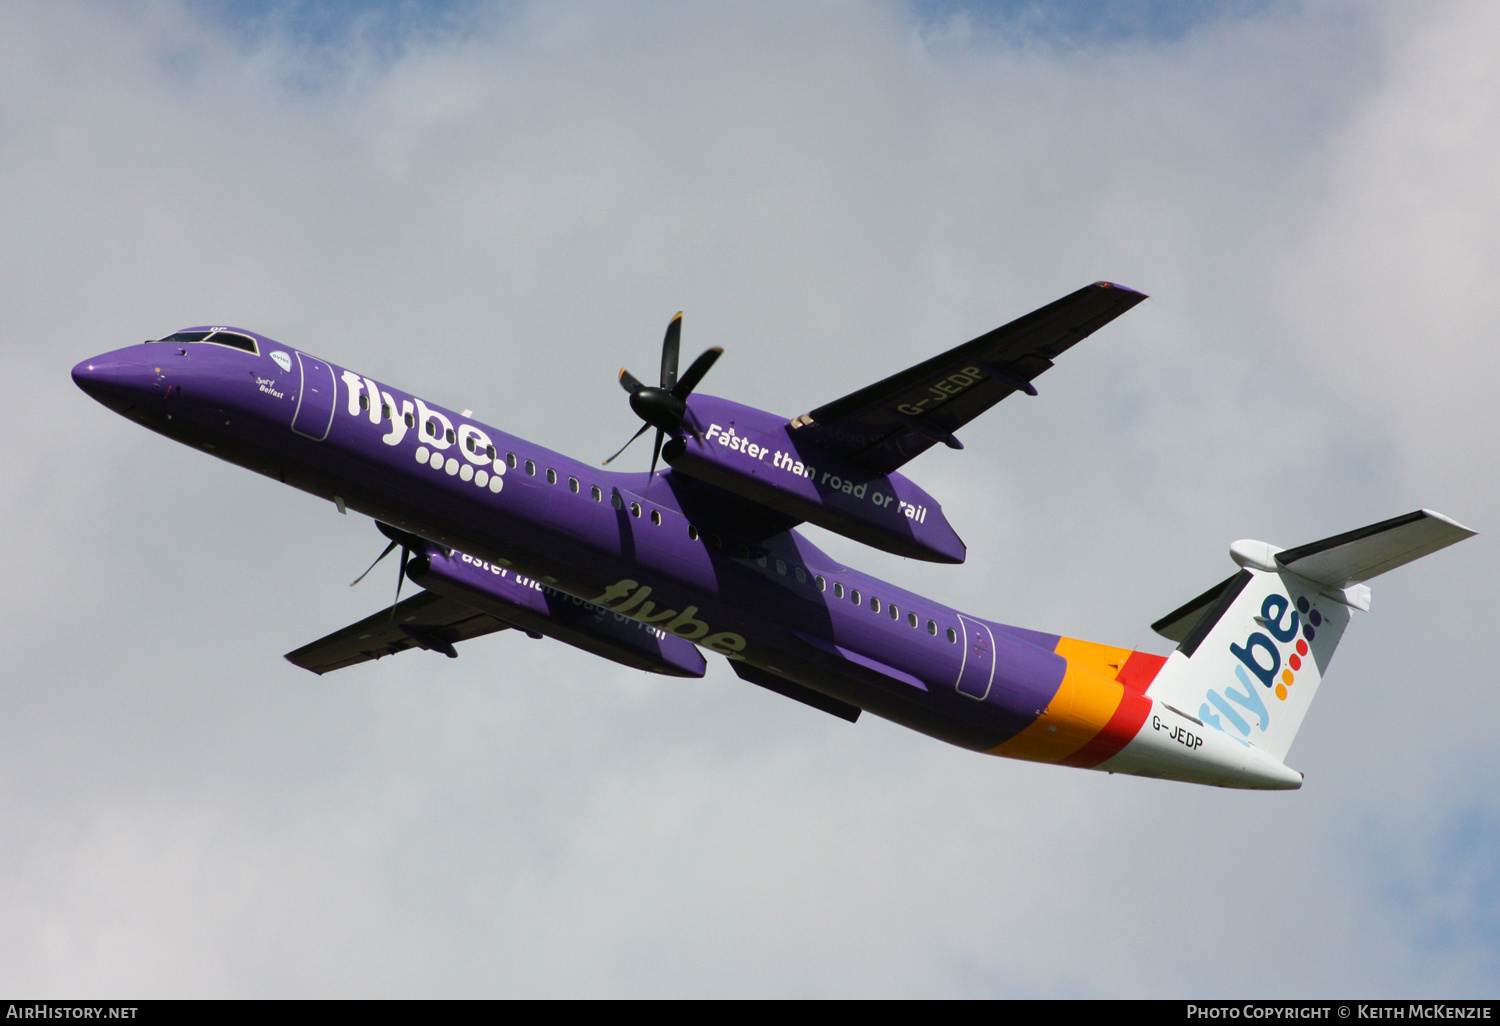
{"points": [[1255, 648]]}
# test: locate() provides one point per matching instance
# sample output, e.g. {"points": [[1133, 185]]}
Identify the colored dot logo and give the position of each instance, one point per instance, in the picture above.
{"points": [[1312, 620]]}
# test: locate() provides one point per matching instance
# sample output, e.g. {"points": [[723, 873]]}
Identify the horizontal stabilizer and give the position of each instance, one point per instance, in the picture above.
{"points": [[1357, 556], [1253, 649], [1340, 564], [423, 621]]}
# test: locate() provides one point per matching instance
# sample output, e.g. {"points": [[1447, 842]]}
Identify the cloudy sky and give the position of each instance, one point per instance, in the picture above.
{"points": [[497, 205]]}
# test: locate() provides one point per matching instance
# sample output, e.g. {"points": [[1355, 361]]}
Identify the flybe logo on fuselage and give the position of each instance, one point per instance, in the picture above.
{"points": [[476, 460], [1272, 657], [685, 624]]}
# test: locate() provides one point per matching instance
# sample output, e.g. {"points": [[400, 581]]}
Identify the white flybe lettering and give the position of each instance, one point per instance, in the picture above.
{"points": [[376, 410], [474, 444], [356, 389], [432, 427], [738, 443], [398, 419], [436, 429], [735, 442], [364, 393]]}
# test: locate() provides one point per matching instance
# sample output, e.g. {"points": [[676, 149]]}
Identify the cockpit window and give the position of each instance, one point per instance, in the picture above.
{"points": [[235, 340], [232, 339]]}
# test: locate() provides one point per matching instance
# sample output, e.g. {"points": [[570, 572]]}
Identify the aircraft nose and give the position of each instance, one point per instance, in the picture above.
{"points": [[116, 382]]}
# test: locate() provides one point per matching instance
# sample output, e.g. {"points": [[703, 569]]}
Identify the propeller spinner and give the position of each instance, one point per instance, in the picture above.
{"points": [[664, 406]]}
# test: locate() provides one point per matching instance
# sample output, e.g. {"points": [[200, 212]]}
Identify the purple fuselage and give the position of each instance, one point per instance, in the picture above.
{"points": [[674, 551]]}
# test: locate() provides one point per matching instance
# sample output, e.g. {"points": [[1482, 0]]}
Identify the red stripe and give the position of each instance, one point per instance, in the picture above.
{"points": [[1116, 734], [1140, 670]]}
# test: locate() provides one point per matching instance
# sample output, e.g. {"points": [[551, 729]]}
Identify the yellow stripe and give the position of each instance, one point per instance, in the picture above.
{"points": [[1104, 660]]}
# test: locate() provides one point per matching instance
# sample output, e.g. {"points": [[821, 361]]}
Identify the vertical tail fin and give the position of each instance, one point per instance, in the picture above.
{"points": [[1253, 649]]}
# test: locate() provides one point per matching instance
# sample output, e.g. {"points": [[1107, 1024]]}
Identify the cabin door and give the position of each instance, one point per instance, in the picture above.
{"points": [[978, 670], [315, 399]]}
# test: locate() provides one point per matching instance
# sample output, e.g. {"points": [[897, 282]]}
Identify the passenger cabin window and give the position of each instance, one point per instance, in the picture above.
{"points": [[364, 401], [656, 517], [895, 613], [596, 493], [573, 485], [635, 509], [838, 590], [510, 460], [801, 575], [874, 603], [551, 476], [932, 627], [530, 469], [854, 596], [410, 420], [616, 501], [911, 618], [449, 435], [952, 636], [781, 568], [822, 582], [692, 532]]}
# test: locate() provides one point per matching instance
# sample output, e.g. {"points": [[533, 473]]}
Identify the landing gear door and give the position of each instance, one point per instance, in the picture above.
{"points": [[978, 670], [316, 399]]}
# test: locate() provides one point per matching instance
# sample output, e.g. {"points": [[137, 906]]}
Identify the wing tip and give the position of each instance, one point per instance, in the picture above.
{"points": [[1468, 532], [1116, 287]]}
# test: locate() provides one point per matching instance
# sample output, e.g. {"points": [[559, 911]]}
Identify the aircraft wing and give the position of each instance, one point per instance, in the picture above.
{"points": [[888, 423], [425, 620]]}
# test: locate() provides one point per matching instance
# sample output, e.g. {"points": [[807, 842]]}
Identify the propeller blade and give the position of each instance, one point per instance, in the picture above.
{"points": [[694, 428], [655, 455], [378, 558], [400, 580], [700, 367], [642, 431], [669, 346], [629, 383]]}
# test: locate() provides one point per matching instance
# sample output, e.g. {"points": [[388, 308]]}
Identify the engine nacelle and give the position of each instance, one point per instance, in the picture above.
{"points": [[754, 454], [537, 609]]}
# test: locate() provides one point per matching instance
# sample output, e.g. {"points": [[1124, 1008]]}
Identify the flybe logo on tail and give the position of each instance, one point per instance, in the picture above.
{"points": [[1272, 657]]}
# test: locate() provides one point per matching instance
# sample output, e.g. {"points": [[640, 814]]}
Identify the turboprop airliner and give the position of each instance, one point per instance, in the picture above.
{"points": [[661, 570]]}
